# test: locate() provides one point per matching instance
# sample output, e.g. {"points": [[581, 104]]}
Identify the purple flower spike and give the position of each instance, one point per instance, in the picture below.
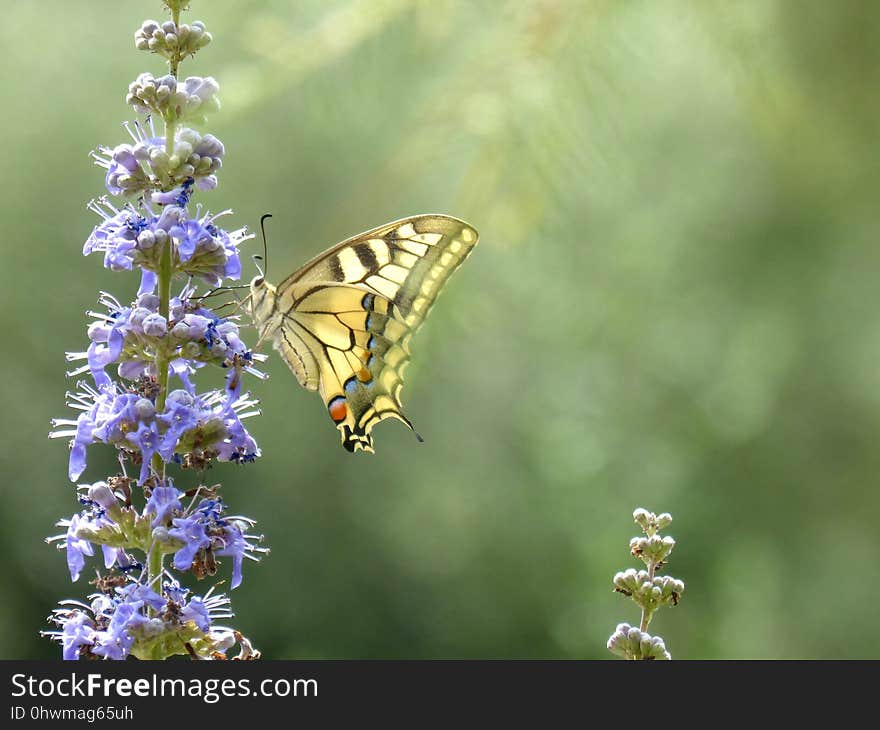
{"points": [[135, 387]]}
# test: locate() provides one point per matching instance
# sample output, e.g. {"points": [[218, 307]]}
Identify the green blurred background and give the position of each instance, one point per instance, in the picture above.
{"points": [[672, 306]]}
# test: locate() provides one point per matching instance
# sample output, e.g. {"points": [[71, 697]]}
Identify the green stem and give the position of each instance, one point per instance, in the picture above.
{"points": [[165, 272], [646, 616], [155, 565], [173, 64], [175, 18], [166, 264]]}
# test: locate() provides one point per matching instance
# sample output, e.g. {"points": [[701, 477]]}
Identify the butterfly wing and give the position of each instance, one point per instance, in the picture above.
{"points": [[348, 315]]}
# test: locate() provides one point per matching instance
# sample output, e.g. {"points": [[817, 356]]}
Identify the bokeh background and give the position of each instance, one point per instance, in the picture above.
{"points": [[673, 305]]}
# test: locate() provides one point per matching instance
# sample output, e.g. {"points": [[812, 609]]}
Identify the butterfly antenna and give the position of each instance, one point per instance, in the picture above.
{"points": [[265, 243]]}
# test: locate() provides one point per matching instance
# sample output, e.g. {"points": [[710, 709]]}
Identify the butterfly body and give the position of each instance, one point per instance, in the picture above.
{"points": [[343, 322]]}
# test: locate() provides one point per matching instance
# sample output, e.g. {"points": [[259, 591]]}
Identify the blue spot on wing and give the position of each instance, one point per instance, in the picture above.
{"points": [[351, 385]]}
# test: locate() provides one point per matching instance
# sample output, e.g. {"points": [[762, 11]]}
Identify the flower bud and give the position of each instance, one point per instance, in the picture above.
{"points": [[155, 325], [144, 409], [191, 350], [180, 397], [137, 317], [631, 643], [146, 240], [100, 493]]}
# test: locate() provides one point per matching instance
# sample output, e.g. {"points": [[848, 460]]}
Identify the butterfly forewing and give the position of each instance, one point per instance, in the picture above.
{"points": [[345, 319]]}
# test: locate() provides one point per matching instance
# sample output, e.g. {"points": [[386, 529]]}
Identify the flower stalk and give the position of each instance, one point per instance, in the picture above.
{"points": [[647, 590], [142, 399]]}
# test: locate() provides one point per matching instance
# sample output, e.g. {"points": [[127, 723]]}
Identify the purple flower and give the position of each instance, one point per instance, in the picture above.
{"points": [[197, 612], [77, 549], [113, 415], [191, 531], [182, 369], [84, 430], [110, 626], [116, 641], [124, 173], [103, 413], [239, 446], [191, 235], [234, 546], [146, 439], [116, 236], [77, 630], [135, 592], [207, 251], [163, 502], [180, 416], [175, 592]]}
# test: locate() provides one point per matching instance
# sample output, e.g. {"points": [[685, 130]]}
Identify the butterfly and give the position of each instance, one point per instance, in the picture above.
{"points": [[343, 321]]}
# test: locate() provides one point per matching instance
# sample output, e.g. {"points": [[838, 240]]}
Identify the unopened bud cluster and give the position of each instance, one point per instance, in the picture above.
{"points": [[146, 164], [649, 593], [647, 590], [181, 157], [631, 643], [653, 549], [171, 41], [651, 523], [175, 101]]}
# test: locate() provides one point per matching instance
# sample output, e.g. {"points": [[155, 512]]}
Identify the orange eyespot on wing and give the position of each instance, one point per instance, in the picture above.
{"points": [[338, 409]]}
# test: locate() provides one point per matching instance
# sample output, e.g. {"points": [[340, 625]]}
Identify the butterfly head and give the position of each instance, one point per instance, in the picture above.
{"points": [[261, 301], [259, 286]]}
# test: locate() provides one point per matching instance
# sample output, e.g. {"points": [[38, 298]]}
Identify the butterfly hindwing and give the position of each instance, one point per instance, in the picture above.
{"points": [[343, 321]]}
